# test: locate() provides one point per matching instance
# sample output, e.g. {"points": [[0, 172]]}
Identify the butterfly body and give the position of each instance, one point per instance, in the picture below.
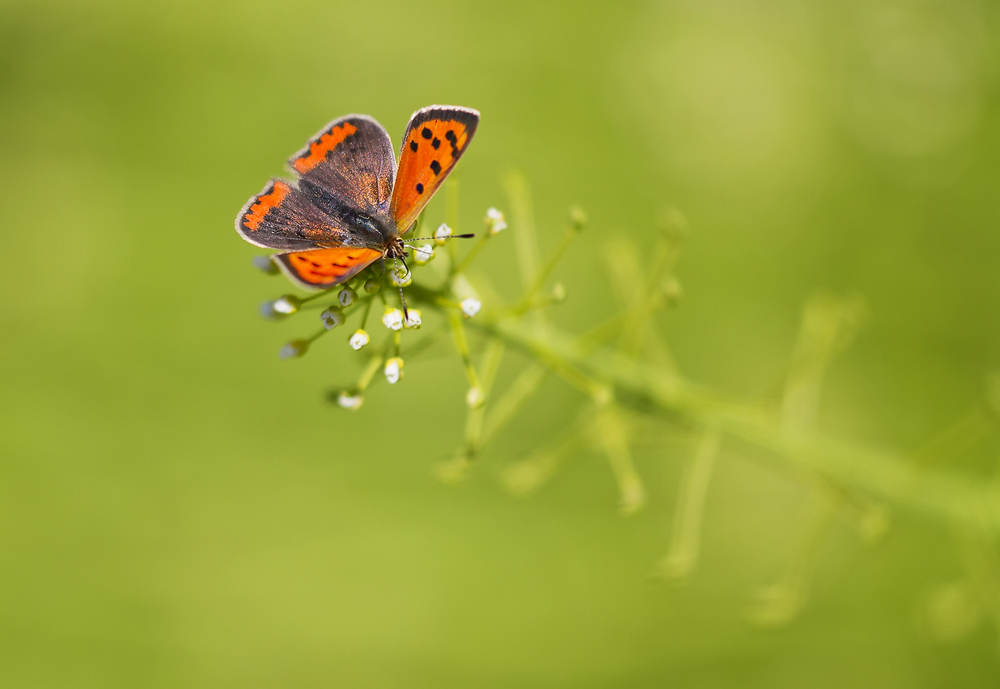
{"points": [[353, 203]]}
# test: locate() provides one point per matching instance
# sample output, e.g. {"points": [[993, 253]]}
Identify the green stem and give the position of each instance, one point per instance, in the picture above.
{"points": [[550, 265], [368, 310], [374, 364], [685, 541], [460, 267], [462, 344], [932, 492]]}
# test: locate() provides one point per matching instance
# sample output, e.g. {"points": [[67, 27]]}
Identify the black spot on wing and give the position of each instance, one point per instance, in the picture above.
{"points": [[426, 133], [436, 167], [413, 145], [436, 143], [420, 188], [453, 140]]}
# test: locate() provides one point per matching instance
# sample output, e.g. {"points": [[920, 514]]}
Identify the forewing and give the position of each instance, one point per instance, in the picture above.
{"points": [[348, 168], [324, 268], [435, 139], [281, 217]]}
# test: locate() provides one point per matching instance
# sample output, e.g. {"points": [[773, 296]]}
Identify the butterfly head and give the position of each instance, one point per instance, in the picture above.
{"points": [[395, 249]]}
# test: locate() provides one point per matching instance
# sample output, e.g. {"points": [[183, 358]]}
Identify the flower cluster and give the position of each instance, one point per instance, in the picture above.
{"points": [[381, 283]]}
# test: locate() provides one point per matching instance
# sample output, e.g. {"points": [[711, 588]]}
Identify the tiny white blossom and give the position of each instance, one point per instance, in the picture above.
{"points": [[347, 297], [287, 304], [474, 398], [495, 221], [412, 319], [423, 254], [470, 307], [349, 401], [332, 318], [394, 370], [359, 339], [393, 318], [294, 349], [442, 233]]}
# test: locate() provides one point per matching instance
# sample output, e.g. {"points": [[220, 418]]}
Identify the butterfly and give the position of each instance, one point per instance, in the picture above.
{"points": [[352, 203]]}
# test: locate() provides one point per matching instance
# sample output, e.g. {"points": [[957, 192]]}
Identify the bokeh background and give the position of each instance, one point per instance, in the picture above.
{"points": [[179, 507]]}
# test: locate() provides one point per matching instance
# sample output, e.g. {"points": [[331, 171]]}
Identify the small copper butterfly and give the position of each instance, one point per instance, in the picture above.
{"points": [[352, 203]]}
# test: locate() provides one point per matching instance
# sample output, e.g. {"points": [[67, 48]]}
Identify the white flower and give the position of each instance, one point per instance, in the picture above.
{"points": [[470, 307], [349, 401], [393, 318], [394, 370], [412, 319], [347, 297], [495, 221], [359, 339], [474, 398], [287, 304], [423, 254], [442, 233], [294, 349], [332, 318]]}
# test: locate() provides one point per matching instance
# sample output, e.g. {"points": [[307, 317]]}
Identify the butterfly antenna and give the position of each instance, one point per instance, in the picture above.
{"points": [[402, 299], [451, 236]]}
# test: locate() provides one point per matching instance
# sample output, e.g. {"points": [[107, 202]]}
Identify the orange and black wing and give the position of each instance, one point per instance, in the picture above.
{"points": [[348, 169], [281, 217], [324, 268], [435, 139]]}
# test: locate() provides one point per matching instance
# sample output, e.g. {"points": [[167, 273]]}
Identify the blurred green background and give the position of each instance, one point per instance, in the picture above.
{"points": [[178, 507]]}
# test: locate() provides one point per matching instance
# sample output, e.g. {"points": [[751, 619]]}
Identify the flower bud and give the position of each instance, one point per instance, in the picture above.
{"points": [[359, 339], [559, 293], [373, 285], [392, 318], [470, 307], [349, 400], [268, 311], [293, 349], [495, 222], [265, 265], [401, 277], [287, 304], [394, 370], [347, 297], [475, 397], [332, 317], [423, 254], [412, 321], [441, 234]]}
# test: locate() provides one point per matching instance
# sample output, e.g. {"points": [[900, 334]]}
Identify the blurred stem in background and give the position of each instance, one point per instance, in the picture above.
{"points": [[629, 381]]}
